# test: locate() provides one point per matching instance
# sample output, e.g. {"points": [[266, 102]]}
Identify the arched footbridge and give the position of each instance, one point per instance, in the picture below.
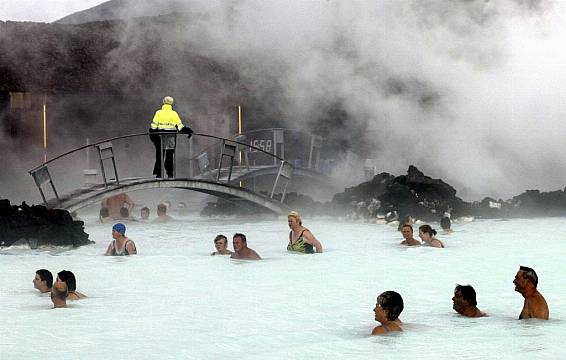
{"points": [[205, 163]]}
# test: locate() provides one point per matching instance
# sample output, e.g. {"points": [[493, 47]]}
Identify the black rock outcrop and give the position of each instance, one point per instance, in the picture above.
{"points": [[39, 226], [413, 194]]}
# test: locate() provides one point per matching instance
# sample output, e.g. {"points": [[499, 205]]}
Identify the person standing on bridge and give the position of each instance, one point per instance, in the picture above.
{"points": [[165, 120]]}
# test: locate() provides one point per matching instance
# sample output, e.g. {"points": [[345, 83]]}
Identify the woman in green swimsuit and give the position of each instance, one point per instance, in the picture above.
{"points": [[300, 238]]}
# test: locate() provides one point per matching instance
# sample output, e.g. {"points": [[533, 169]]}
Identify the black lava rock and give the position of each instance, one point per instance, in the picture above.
{"points": [[39, 226]]}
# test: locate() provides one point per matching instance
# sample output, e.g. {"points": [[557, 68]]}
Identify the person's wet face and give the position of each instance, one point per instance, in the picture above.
{"points": [[520, 281], [459, 303], [407, 232], [145, 214], [380, 314], [221, 244], [38, 283], [238, 243], [115, 234], [424, 235], [292, 222]]}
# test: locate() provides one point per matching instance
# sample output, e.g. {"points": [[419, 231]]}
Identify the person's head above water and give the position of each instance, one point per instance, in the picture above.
{"points": [[392, 304], [144, 212], [220, 242], [161, 209], [525, 277], [68, 278], [239, 242], [118, 229], [43, 280], [59, 294], [427, 229], [468, 293], [221, 238], [124, 212], [295, 215], [407, 231]]}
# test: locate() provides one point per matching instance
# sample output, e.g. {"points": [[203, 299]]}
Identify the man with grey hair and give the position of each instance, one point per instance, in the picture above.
{"points": [[526, 281]]}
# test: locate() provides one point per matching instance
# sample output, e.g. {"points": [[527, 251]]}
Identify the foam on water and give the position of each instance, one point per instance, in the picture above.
{"points": [[174, 301]]}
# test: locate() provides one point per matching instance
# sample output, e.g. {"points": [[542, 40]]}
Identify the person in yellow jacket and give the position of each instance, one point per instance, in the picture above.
{"points": [[165, 119]]}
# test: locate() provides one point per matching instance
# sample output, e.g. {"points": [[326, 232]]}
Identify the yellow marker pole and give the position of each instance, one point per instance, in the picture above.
{"points": [[240, 133], [44, 130]]}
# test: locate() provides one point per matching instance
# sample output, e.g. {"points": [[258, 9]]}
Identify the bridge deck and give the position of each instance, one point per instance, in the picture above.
{"points": [[94, 194]]}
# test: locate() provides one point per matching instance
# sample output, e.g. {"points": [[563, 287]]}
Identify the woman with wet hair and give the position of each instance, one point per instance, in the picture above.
{"points": [[388, 307], [69, 279], [427, 233]]}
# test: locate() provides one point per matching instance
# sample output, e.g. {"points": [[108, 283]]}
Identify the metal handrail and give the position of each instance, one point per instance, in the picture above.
{"points": [[146, 134]]}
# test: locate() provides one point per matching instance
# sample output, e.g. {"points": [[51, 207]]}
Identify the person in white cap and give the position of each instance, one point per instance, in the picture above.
{"points": [[165, 119]]}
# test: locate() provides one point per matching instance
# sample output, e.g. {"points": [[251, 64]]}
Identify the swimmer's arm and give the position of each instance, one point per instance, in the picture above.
{"points": [[309, 237], [131, 248], [109, 250]]}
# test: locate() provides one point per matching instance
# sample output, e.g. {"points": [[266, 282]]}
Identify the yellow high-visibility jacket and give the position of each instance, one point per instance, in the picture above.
{"points": [[166, 119]]}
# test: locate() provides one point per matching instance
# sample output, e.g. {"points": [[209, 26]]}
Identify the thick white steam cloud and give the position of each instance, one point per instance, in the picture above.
{"points": [[470, 91]]}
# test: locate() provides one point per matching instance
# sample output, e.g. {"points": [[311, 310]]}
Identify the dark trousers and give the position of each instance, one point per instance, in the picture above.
{"points": [[156, 139]]}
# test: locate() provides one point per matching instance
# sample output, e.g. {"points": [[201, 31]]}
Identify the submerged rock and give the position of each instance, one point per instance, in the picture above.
{"points": [[38, 226]]}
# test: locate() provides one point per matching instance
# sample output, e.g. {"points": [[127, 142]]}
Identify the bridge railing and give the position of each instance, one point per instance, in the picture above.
{"points": [[203, 157]]}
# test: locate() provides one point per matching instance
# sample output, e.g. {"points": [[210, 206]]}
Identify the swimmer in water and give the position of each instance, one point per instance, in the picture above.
{"points": [[426, 233], [221, 244], [534, 306], [464, 301], [407, 232], [70, 281], [388, 307], [162, 214], [300, 238], [43, 280], [241, 249], [59, 295], [144, 213], [121, 245]]}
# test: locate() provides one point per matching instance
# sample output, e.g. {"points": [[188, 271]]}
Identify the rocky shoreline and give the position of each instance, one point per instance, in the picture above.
{"points": [[390, 197], [38, 226]]}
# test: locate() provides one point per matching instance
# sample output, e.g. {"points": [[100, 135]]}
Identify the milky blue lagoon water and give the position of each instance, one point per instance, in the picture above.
{"points": [[175, 301]]}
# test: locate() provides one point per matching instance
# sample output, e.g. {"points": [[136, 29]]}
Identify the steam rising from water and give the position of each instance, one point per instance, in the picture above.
{"points": [[469, 91]]}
